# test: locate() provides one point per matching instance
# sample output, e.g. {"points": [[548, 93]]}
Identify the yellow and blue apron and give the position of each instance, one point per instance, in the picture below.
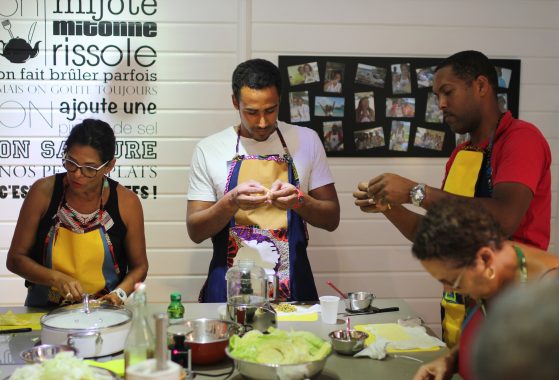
{"points": [[471, 176], [81, 250], [275, 239]]}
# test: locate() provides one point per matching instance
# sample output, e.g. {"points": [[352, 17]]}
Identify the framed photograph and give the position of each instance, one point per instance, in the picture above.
{"points": [[329, 106], [425, 76], [429, 138], [333, 77], [400, 107], [399, 135], [364, 107], [369, 138], [333, 136], [299, 106], [401, 78], [295, 75], [370, 75], [433, 114], [503, 76], [502, 102]]}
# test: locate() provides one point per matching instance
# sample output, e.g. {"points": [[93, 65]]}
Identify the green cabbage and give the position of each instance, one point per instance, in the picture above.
{"points": [[279, 347]]}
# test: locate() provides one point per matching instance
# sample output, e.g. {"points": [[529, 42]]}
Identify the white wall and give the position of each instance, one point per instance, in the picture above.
{"points": [[199, 44]]}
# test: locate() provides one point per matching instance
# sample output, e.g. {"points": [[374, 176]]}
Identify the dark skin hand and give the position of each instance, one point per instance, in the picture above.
{"points": [[508, 204]]}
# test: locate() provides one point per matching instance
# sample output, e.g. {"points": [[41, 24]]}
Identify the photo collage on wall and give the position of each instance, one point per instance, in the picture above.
{"points": [[377, 106]]}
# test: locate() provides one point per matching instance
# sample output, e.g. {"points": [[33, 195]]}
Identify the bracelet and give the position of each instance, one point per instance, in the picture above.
{"points": [[300, 199], [120, 294]]}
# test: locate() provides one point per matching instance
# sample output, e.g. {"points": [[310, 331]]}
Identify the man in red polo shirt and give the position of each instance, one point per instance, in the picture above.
{"points": [[504, 167]]}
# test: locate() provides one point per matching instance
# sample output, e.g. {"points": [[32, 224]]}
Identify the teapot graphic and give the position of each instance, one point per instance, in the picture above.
{"points": [[17, 50]]}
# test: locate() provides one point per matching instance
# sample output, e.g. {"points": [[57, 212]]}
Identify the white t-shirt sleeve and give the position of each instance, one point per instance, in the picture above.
{"points": [[200, 186], [320, 171]]}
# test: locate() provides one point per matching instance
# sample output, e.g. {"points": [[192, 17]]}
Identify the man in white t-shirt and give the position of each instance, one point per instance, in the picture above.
{"points": [[254, 186]]}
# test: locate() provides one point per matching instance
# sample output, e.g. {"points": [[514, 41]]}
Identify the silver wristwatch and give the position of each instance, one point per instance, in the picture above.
{"points": [[121, 294], [417, 194]]}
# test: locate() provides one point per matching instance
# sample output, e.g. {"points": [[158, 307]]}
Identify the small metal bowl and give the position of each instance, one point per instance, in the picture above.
{"points": [[43, 352], [348, 342], [359, 301]]}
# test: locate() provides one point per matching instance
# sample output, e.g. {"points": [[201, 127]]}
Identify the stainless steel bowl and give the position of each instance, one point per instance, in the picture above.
{"points": [[259, 371], [359, 301], [348, 342], [207, 338], [43, 352]]}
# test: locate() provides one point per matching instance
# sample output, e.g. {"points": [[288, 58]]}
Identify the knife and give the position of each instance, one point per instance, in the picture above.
{"points": [[373, 310], [12, 331]]}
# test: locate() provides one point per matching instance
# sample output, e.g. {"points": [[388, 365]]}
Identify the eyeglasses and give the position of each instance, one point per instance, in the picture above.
{"points": [[87, 171], [456, 283]]}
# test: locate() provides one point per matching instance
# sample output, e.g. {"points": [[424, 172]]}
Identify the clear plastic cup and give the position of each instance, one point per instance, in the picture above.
{"points": [[329, 309]]}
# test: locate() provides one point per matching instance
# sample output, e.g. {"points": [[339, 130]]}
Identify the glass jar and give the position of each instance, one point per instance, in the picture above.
{"points": [[246, 284]]}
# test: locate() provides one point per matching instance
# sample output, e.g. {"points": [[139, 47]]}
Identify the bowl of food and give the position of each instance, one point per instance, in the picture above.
{"points": [[359, 301], [63, 365], [294, 355], [348, 342], [207, 338], [43, 352]]}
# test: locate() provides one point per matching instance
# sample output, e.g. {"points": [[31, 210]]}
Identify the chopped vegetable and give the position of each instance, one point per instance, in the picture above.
{"points": [[285, 307], [63, 366], [279, 347]]}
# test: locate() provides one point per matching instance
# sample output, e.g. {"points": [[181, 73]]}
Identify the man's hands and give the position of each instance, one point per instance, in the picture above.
{"points": [[379, 193], [251, 195], [284, 195]]}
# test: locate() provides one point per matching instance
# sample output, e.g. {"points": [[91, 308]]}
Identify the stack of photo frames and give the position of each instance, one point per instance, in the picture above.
{"points": [[377, 106]]}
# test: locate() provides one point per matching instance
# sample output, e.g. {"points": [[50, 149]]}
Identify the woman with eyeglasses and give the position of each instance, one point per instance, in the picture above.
{"points": [[465, 249], [80, 232]]}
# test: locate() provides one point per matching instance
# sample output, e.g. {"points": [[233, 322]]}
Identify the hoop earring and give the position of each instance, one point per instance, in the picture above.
{"points": [[492, 275]]}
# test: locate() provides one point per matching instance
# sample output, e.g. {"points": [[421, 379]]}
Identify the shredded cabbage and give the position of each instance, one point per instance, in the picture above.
{"points": [[64, 366], [279, 347]]}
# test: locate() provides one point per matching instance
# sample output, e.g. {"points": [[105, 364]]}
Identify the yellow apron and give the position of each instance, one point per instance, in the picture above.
{"points": [[461, 180], [81, 250]]}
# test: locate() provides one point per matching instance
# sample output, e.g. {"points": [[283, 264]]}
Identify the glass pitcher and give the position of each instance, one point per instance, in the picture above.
{"points": [[249, 291]]}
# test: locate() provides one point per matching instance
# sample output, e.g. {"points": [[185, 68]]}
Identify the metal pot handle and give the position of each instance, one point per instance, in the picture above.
{"points": [[80, 335]]}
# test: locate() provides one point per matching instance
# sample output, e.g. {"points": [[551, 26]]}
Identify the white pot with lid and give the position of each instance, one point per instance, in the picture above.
{"points": [[97, 330]]}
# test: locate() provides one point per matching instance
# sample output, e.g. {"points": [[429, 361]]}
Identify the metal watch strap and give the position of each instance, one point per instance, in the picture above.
{"points": [[417, 194]]}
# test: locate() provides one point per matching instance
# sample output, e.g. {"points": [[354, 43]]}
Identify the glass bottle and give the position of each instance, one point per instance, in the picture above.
{"points": [[175, 310], [139, 344], [180, 351]]}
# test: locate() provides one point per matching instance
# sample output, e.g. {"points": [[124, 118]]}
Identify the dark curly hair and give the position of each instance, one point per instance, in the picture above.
{"points": [[454, 230], [256, 74], [94, 133], [470, 64]]}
